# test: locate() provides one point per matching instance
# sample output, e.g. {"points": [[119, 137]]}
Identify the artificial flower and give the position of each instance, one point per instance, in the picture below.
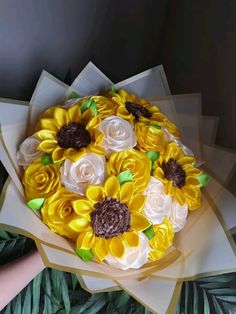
{"points": [[28, 151], [136, 162], [179, 176], [61, 217], [178, 215], [89, 169], [66, 133], [158, 204], [115, 218], [41, 181], [118, 134], [163, 239], [135, 257]]}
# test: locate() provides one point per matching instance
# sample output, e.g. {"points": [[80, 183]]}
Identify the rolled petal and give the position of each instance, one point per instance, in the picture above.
{"points": [[126, 192], [112, 186], [131, 239], [58, 154], [75, 155], [116, 247], [180, 197], [61, 116], [85, 240], [49, 124], [47, 146], [74, 113], [136, 204], [82, 207], [100, 248], [78, 224], [95, 193], [139, 222], [46, 135]]}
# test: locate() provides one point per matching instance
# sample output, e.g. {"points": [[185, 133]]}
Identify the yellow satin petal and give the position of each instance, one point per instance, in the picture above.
{"points": [[93, 123], [95, 193], [75, 155], [58, 154], [82, 207], [78, 224], [85, 240], [49, 124], [74, 113], [86, 117], [46, 135], [187, 160], [180, 197], [96, 149], [139, 222], [192, 181], [47, 146], [112, 186], [100, 248], [117, 247], [126, 192], [131, 239], [136, 204], [61, 116], [169, 189]]}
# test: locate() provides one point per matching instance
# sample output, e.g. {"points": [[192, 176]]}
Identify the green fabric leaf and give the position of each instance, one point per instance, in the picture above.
{"points": [[156, 126], [73, 95], [89, 104], [85, 255], [46, 159], [114, 89], [93, 108], [36, 203], [153, 156], [149, 232], [125, 176], [203, 179]]}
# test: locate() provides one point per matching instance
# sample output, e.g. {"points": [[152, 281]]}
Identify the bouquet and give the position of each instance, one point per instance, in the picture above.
{"points": [[111, 173]]}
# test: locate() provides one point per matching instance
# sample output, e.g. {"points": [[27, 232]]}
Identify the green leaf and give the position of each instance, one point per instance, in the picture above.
{"points": [[156, 126], [125, 176], [36, 293], [206, 303], [4, 235], [149, 232], [114, 89], [85, 255], [27, 301], [89, 104], [196, 305], [203, 179], [153, 156], [56, 277], [46, 159], [36, 203], [74, 281], [73, 95], [48, 290], [17, 304], [65, 294]]}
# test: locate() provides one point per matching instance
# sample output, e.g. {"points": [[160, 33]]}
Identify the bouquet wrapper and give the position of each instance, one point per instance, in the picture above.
{"points": [[196, 247]]}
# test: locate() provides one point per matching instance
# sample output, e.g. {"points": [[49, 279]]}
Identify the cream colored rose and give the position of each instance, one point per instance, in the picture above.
{"points": [[28, 152], [118, 134], [90, 169], [134, 257], [178, 215], [171, 138], [158, 203]]}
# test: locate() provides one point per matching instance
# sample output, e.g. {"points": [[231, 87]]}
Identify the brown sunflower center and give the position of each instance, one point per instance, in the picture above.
{"points": [[137, 110], [110, 218], [73, 135], [174, 171]]}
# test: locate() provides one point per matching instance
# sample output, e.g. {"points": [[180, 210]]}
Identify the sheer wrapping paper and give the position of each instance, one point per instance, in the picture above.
{"points": [[196, 247]]}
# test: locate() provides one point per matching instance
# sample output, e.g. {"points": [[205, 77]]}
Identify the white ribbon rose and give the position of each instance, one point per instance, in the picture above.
{"points": [[133, 257], [178, 215], [158, 203], [28, 152], [118, 134], [90, 169]]}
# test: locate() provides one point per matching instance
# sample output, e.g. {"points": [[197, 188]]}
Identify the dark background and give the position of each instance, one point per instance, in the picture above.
{"points": [[194, 40]]}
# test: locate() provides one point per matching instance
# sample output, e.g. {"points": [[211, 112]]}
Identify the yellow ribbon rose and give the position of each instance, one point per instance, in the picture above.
{"points": [[137, 162], [164, 236], [61, 216], [150, 137], [40, 180]]}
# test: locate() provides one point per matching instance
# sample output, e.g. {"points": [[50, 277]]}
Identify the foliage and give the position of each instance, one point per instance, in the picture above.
{"points": [[53, 291]]}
